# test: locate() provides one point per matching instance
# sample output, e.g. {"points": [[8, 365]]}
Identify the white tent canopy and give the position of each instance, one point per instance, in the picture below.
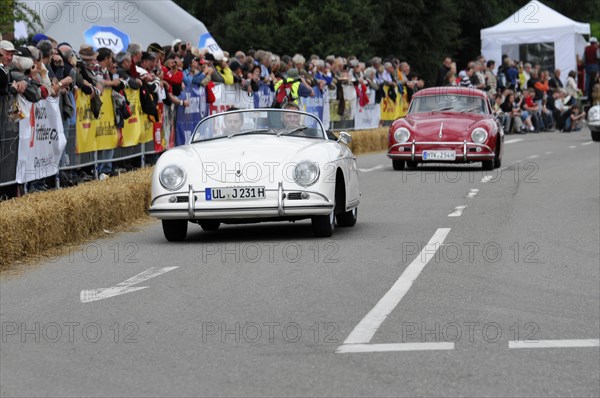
{"points": [[145, 22], [536, 23]]}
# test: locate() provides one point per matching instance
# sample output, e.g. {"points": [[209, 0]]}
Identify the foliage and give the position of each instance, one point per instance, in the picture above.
{"points": [[20, 12], [422, 32]]}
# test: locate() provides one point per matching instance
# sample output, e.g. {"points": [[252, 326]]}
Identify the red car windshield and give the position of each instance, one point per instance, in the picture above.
{"points": [[449, 103]]}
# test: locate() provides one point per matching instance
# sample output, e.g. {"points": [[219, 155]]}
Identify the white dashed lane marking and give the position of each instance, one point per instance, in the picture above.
{"points": [[487, 178], [554, 343], [533, 157], [366, 328], [572, 147], [472, 193], [588, 143], [514, 140], [378, 167], [358, 348], [457, 212]]}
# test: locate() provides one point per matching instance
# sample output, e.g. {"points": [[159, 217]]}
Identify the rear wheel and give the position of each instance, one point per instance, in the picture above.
{"points": [[210, 225], [412, 164], [323, 225], [596, 135], [398, 164], [175, 230], [347, 218]]}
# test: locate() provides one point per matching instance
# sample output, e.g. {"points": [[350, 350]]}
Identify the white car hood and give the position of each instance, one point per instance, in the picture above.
{"points": [[254, 158]]}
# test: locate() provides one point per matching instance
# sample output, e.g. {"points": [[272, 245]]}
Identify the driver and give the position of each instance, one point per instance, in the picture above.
{"points": [[233, 122], [289, 119]]}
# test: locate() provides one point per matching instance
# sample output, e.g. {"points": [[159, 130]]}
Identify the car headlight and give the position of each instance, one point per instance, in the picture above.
{"points": [[306, 173], [172, 178], [401, 135], [594, 114], [479, 135]]}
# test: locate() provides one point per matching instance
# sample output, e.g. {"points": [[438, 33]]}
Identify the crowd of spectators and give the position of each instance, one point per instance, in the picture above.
{"points": [[525, 98]]}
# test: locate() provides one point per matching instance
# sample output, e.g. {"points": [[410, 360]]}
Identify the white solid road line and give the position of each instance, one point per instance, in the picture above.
{"points": [[88, 296], [512, 141], [554, 343], [588, 143], [457, 212], [378, 167], [359, 348], [366, 328], [472, 192]]}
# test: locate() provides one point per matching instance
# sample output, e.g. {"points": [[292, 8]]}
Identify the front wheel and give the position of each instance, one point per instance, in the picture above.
{"points": [[596, 135], [487, 165], [323, 225], [347, 218], [398, 164], [210, 225], [175, 230]]}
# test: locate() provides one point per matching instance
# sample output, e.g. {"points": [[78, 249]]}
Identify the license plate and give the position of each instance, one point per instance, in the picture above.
{"points": [[439, 155], [235, 193]]}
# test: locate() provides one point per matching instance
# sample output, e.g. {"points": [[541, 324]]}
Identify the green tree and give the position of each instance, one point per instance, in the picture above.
{"points": [[12, 11]]}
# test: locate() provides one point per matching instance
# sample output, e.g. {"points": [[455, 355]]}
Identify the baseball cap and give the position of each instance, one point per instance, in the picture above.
{"points": [[593, 40], [8, 46]]}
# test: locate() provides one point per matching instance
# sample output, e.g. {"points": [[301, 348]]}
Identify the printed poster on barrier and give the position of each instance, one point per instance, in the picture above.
{"points": [[133, 126], [229, 96], [391, 110], [41, 142], [189, 117], [367, 117], [314, 106], [95, 134]]}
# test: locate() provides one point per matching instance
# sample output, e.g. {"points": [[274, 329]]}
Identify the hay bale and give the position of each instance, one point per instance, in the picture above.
{"points": [[36, 223]]}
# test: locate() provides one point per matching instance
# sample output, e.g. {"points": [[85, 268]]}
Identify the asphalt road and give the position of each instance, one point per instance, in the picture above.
{"points": [[503, 301]]}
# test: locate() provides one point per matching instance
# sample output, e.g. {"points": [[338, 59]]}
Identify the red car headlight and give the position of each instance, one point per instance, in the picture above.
{"points": [[479, 135], [401, 135]]}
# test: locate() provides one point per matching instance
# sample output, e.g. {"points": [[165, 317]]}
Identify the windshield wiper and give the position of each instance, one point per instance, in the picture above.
{"points": [[469, 110], [443, 109], [289, 132], [258, 131]]}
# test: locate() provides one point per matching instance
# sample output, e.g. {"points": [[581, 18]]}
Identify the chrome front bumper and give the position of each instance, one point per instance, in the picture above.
{"points": [[276, 204], [486, 153]]}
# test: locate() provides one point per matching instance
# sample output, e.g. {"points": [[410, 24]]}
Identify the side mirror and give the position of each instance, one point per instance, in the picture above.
{"points": [[345, 138]]}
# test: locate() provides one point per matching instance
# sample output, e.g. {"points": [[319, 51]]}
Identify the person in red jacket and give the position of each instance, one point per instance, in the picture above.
{"points": [[591, 57]]}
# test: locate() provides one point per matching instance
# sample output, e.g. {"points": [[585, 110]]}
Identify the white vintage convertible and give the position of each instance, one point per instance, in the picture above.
{"points": [[249, 166]]}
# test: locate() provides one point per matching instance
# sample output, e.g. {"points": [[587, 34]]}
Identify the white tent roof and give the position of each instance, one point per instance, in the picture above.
{"points": [[145, 22], [535, 18], [536, 23]]}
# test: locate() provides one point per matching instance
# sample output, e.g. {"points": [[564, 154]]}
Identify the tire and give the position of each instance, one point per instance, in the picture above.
{"points": [[323, 226], [347, 218], [175, 230], [210, 225], [411, 164], [497, 159], [497, 163], [596, 135], [398, 164], [487, 164]]}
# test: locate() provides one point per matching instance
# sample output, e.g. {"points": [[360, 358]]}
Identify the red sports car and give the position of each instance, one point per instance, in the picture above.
{"points": [[448, 125]]}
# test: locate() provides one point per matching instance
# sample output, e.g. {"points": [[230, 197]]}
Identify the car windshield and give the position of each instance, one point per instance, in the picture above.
{"points": [[448, 103], [276, 122]]}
